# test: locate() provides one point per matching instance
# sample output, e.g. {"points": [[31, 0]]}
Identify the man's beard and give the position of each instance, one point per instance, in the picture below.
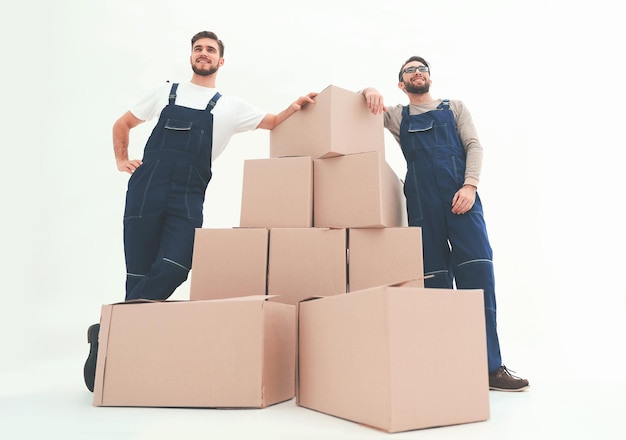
{"points": [[417, 90], [203, 72]]}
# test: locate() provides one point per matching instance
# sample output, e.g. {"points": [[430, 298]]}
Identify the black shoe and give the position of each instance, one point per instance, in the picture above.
{"points": [[503, 380], [89, 370]]}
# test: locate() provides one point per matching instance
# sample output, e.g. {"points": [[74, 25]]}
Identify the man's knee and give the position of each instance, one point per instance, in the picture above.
{"points": [[174, 271]]}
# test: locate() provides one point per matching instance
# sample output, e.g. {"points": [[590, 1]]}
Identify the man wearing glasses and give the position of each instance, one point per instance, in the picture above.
{"points": [[444, 159]]}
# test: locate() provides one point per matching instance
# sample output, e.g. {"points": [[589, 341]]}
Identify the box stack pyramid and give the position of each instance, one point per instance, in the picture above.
{"points": [[317, 293], [325, 214]]}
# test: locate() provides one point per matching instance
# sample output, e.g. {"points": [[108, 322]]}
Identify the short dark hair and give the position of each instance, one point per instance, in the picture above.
{"points": [[212, 36], [413, 58]]}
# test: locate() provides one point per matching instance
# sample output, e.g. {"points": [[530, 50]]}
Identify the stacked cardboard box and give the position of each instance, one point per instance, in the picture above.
{"points": [[221, 353], [395, 358]]}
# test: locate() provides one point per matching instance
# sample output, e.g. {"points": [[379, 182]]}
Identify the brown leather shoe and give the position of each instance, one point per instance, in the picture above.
{"points": [[503, 380]]}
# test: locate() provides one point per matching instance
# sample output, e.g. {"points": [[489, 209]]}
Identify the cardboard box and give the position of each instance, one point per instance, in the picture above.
{"points": [[338, 123], [395, 358], [305, 262], [384, 256], [233, 353], [357, 191], [229, 263], [277, 193]]}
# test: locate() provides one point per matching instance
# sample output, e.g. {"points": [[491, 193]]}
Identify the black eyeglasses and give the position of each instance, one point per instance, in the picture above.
{"points": [[413, 69]]}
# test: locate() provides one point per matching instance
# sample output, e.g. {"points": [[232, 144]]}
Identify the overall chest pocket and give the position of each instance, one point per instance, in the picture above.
{"points": [[431, 134], [182, 136], [416, 127]]}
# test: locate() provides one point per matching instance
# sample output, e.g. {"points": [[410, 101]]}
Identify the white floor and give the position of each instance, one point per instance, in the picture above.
{"points": [[49, 400]]}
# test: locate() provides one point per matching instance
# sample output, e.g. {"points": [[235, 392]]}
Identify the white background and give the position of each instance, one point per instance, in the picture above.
{"points": [[544, 82]]}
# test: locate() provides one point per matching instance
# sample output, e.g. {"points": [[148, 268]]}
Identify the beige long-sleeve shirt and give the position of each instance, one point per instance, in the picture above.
{"points": [[465, 127]]}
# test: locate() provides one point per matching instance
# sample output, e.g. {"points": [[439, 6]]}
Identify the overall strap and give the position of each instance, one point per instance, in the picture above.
{"points": [[445, 105], [213, 101], [173, 93]]}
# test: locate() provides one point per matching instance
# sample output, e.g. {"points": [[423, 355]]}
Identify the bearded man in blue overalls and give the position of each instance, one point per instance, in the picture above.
{"points": [[165, 196], [444, 158]]}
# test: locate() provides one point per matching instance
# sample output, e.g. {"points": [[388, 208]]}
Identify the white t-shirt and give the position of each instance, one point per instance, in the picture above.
{"points": [[231, 114]]}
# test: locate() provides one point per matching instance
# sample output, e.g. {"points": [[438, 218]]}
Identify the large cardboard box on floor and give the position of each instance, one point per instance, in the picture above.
{"points": [[357, 191], [395, 358], [384, 256], [277, 193], [338, 123], [232, 353], [229, 262], [306, 262]]}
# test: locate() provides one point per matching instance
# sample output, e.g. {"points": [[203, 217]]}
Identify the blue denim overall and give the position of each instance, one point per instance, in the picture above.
{"points": [[164, 201], [456, 247]]}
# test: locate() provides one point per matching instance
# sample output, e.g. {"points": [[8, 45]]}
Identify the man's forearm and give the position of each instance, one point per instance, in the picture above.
{"points": [[270, 121], [120, 142]]}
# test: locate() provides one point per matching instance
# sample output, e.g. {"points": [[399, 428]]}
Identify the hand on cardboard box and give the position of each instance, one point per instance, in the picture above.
{"points": [[374, 99], [303, 101]]}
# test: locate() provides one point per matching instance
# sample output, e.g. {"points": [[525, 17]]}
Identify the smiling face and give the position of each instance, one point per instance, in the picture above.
{"points": [[205, 57], [417, 79]]}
